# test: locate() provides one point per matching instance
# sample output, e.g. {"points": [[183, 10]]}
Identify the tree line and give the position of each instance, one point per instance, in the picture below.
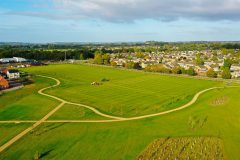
{"points": [[51, 55]]}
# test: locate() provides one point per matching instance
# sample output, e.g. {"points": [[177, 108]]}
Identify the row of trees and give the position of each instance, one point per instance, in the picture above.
{"points": [[101, 58], [226, 74], [54, 55], [176, 70]]}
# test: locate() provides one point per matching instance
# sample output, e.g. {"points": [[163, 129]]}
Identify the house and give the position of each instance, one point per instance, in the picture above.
{"points": [[3, 71], [14, 59], [235, 74], [145, 64], [7, 60], [235, 67], [19, 59], [13, 74], [201, 70], [3, 83]]}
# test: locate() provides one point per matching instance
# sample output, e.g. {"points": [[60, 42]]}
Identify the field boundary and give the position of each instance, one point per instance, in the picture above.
{"points": [[112, 118], [63, 102]]}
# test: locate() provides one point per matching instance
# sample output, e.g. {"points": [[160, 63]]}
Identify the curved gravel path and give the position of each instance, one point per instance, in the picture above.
{"points": [[63, 102]]}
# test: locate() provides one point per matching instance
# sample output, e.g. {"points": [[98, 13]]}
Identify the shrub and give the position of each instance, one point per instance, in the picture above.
{"points": [[226, 74], [211, 73], [104, 80], [177, 70], [157, 68], [191, 72]]}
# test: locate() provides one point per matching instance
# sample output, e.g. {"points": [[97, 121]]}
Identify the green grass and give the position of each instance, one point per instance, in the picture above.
{"points": [[126, 140], [71, 112], [26, 103], [8, 131], [215, 114], [127, 94]]}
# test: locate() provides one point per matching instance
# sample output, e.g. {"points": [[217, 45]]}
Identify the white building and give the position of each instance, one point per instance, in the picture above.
{"points": [[235, 67], [7, 60], [14, 59], [235, 74], [13, 74], [19, 59]]}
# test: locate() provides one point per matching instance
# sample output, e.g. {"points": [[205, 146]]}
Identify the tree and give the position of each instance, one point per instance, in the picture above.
{"points": [[157, 68], [132, 65], [183, 70], [191, 72], [226, 74], [81, 56], [98, 52], [199, 60], [211, 73], [224, 51], [113, 63], [177, 70], [106, 59], [227, 63], [140, 55], [98, 59], [136, 66], [214, 58]]}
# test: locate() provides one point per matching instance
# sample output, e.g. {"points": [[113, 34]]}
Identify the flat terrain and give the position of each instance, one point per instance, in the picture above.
{"points": [[7, 131], [71, 112], [26, 104], [126, 94], [215, 114]]}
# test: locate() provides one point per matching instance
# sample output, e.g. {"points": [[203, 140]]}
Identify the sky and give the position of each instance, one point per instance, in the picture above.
{"points": [[42, 21]]}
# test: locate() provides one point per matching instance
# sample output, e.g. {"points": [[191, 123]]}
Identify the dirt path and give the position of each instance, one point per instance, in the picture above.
{"points": [[76, 104], [63, 102], [23, 133], [115, 119]]}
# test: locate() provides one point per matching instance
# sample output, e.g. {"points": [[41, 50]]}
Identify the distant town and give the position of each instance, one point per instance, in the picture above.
{"points": [[208, 59], [202, 63]]}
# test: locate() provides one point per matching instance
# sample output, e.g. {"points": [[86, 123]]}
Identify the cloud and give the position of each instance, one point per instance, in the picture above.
{"points": [[133, 10], [165, 10]]}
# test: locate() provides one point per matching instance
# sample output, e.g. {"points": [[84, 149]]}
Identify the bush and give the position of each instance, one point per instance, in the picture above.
{"points": [[191, 72], [132, 65], [211, 73], [177, 70], [157, 68], [104, 80], [226, 74], [113, 63]]}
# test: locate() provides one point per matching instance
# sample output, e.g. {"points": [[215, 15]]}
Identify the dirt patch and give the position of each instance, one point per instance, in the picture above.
{"points": [[219, 101], [187, 148]]}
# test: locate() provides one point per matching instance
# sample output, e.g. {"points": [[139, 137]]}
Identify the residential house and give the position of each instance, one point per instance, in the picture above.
{"points": [[19, 59], [13, 74], [201, 70], [235, 74], [3, 72], [235, 70], [235, 67], [7, 60], [3, 83]]}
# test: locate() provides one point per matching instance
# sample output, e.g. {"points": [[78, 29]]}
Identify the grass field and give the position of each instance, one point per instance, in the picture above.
{"points": [[127, 93], [215, 114], [71, 112], [26, 104], [8, 131]]}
